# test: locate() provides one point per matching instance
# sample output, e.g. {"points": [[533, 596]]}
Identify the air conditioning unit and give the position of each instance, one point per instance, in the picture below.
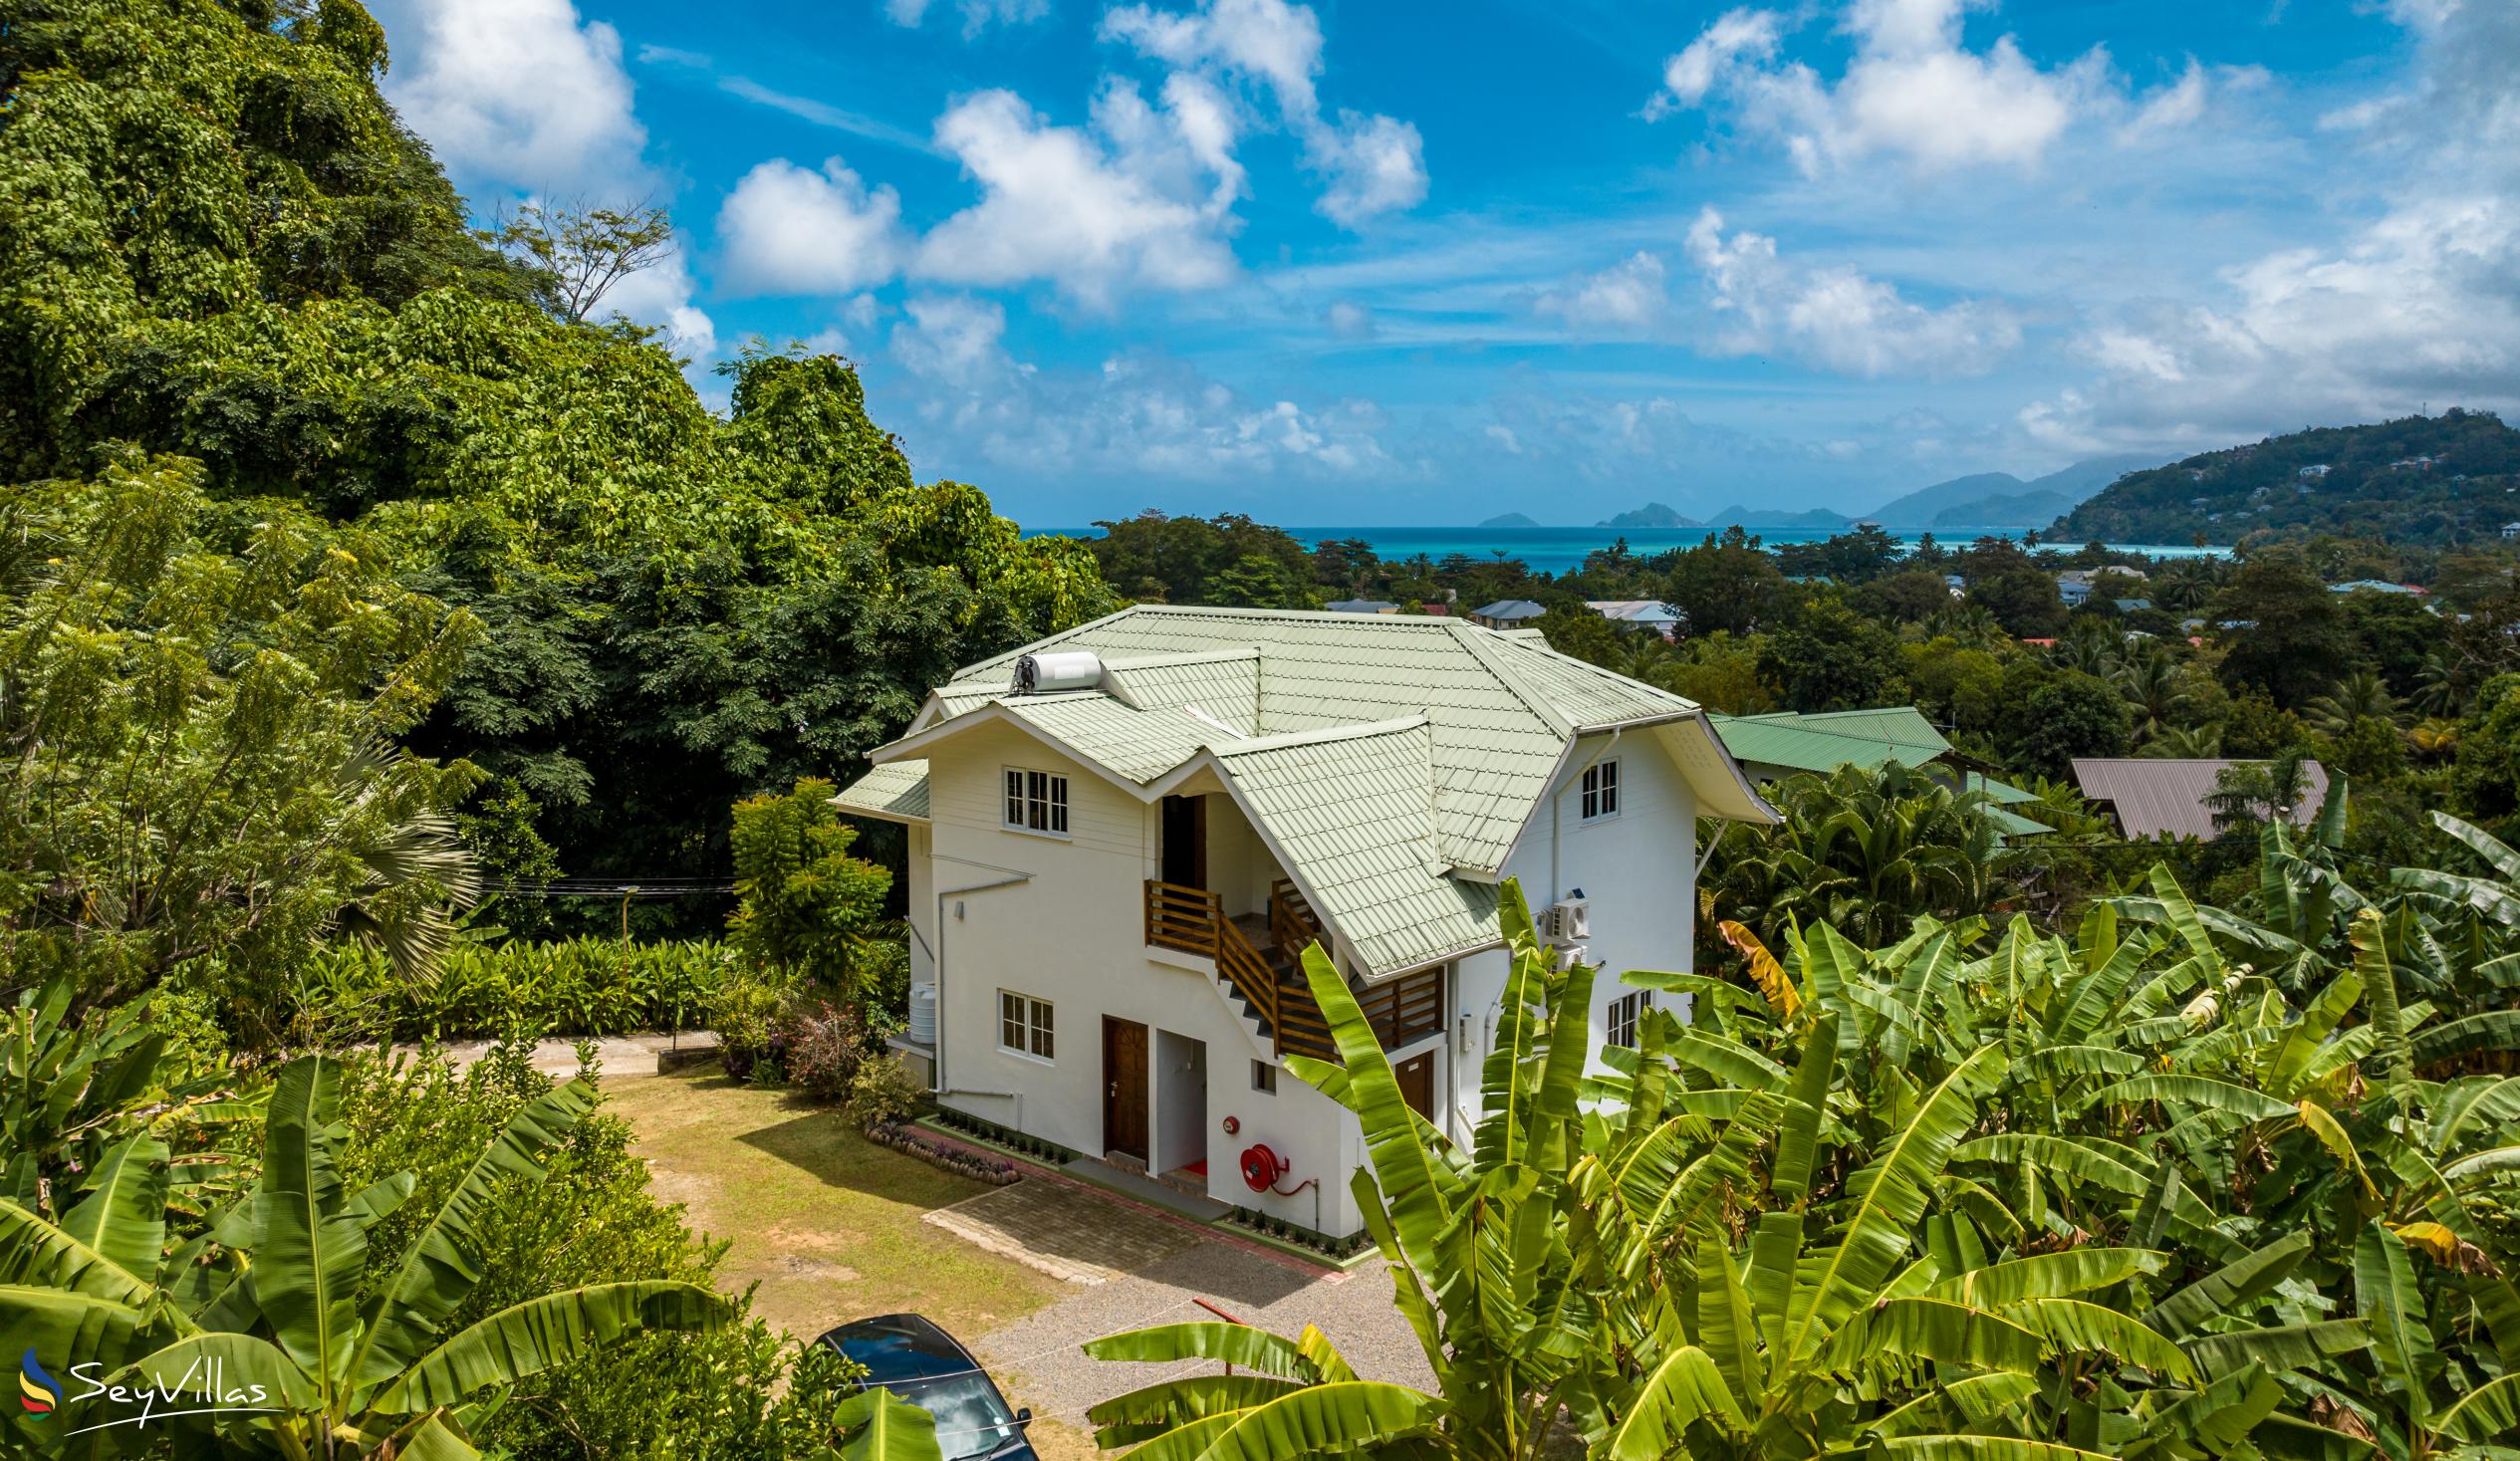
{"points": [[1570, 955], [1569, 920]]}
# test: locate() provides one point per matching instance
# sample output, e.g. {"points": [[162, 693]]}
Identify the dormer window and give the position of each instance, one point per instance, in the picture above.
{"points": [[1601, 790]]}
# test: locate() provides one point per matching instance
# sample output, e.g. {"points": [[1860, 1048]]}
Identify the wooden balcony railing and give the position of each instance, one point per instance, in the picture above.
{"points": [[1192, 920]]}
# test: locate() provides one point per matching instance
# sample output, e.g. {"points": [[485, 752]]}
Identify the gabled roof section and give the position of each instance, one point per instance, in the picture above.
{"points": [[1807, 743], [895, 791], [1224, 684], [1499, 710], [1352, 814], [2167, 797]]}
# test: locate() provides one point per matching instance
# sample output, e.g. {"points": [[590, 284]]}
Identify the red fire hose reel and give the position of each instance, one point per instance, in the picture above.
{"points": [[1261, 1167]]}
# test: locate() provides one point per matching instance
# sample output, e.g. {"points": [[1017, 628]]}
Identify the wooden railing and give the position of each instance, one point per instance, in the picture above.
{"points": [[1192, 920], [1292, 923], [1404, 1009]]}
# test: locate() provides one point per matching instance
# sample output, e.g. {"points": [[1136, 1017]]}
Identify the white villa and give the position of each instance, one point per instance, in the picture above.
{"points": [[1122, 837]]}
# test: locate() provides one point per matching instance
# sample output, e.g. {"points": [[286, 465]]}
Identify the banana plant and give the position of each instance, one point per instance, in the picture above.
{"points": [[70, 1089], [312, 1345]]}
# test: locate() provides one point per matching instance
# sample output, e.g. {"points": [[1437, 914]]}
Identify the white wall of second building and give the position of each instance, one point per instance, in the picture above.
{"points": [[1066, 925]]}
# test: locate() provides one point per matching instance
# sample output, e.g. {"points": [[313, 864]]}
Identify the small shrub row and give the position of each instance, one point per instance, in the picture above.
{"points": [[1007, 1136], [1299, 1235], [994, 1170], [577, 986]]}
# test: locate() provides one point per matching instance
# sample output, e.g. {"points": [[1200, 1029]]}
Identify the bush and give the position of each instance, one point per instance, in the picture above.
{"points": [[748, 1006], [883, 1094], [978, 1167], [824, 1045], [580, 986], [741, 1393]]}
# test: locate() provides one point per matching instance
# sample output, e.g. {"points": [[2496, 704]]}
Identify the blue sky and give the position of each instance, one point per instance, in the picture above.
{"points": [[1348, 263]]}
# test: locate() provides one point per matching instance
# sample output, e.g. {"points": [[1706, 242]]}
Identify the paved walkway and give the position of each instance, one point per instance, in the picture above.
{"points": [[1128, 1266]]}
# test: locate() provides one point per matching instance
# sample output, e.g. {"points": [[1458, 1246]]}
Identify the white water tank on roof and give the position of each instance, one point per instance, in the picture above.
{"points": [[1067, 669]]}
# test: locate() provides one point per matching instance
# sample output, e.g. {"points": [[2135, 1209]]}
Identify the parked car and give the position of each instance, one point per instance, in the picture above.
{"points": [[921, 1363]]}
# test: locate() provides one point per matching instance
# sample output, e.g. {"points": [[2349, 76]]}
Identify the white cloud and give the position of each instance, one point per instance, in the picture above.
{"points": [[977, 14], [1836, 317], [1135, 417], [2170, 110], [1913, 89], [1058, 203], [787, 230], [1628, 297], [1348, 320], [2421, 305], [1370, 165], [517, 91], [661, 295], [1691, 71]]}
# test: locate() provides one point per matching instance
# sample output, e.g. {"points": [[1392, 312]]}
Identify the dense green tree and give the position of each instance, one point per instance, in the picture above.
{"points": [[1908, 597], [1573, 630], [1726, 583], [2294, 643], [2024, 601], [1829, 657], [200, 702], [803, 903], [1227, 558], [1720, 672], [2063, 714]]}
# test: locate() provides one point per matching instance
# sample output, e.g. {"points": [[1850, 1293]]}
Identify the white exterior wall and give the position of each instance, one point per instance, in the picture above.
{"points": [[1072, 931], [1637, 870]]}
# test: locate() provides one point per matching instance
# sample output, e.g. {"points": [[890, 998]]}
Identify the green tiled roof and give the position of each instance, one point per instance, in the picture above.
{"points": [[1355, 810], [1372, 819], [1796, 744], [895, 791]]}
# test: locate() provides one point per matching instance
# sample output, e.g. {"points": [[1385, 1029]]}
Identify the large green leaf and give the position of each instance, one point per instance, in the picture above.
{"points": [[2384, 1293], [1685, 1386], [2488, 1413], [1726, 1330], [1890, 1197], [531, 1336], [2291, 1347], [1324, 1419], [310, 1255], [878, 1425], [123, 1214], [33, 1251], [2048, 1275], [240, 1361], [1413, 1182], [2493, 1029], [1234, 1343], [2201, 1091], [2231, 1289], [441, 1264], [68, 1330], [2079, 1327], [1982, 1448], [2379, 984], [1930, 1329]]}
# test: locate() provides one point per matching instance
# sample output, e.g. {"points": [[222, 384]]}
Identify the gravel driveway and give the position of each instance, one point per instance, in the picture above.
{"points": [[1151, 1276]]}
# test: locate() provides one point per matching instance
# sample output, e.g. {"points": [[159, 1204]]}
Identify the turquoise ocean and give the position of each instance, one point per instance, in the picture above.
{"points": [[1560, 550]]}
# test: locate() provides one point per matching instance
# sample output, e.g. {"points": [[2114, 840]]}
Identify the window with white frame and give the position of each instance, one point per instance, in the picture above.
{"points": [[1025, 1025], [1624, 1012], [1264, 1078], [1037, 801], [1601, 790]]}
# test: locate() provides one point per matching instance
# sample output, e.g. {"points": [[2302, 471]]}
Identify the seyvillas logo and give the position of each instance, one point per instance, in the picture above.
{"points": [[37, 1391]]}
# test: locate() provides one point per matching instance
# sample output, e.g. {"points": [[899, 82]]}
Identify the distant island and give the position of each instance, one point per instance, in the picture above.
{"points": [[1652, 515], [1511, 520], [2002, 500], [1818, 517]]}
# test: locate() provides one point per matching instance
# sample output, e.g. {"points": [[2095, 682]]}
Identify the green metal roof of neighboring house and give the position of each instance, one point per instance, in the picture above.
{"points": [[1494, 716], [1356, 811], [2013, 824], [1904, 725], [896, 792], [1768, 740]]}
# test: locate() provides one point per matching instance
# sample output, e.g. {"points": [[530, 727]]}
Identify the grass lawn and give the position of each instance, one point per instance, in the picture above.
{"points": [[827, 1221]]}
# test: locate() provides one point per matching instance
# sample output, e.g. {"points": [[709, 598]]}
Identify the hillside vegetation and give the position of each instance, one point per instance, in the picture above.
{"points": [[217, 243], [2433, 481]]}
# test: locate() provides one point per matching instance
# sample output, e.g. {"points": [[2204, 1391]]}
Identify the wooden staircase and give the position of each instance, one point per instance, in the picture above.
{"points": [[1259, 960]]}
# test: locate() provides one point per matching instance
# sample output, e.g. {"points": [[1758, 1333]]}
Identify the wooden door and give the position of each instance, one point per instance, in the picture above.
{"points": [[1416, 1079], [1124, 1086], [1185, 842]]}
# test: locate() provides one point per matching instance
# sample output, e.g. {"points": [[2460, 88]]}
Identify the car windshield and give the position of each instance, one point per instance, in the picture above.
{"points": [[971, 1421]]}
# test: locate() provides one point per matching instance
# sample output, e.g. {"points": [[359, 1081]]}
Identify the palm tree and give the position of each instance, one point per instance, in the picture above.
{"points": [[281, 1294], [2152, 686], [2440, 689], [2089, 646], [2185, 742], [1644, 655], [1970, 625], [2359, 696]]}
